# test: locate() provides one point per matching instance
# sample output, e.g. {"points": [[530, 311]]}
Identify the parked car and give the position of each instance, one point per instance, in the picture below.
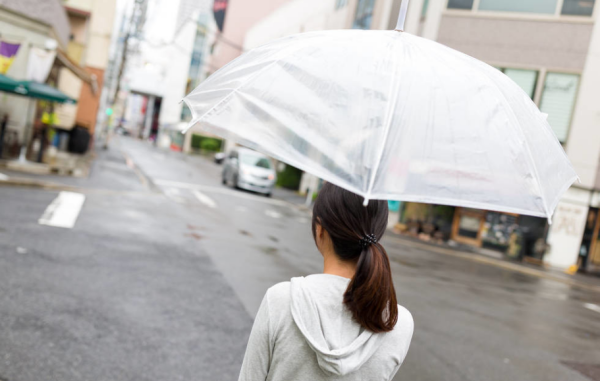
{"points": [[249, 170], [220, 157]]}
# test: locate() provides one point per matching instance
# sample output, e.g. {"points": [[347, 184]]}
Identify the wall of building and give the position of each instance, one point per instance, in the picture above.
{"points": [[297, 16], [518, 42], [240, 17]]}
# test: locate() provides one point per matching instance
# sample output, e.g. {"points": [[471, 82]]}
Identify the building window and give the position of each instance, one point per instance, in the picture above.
{"points": [[548, 7], [526, 79], [558, 101], [578, 7], [530, 6], [340, 3], [364, 14], [424, 9], [460, 4]]}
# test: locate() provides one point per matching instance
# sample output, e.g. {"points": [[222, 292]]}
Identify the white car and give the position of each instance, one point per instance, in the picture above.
{"points": [[250, 170]]}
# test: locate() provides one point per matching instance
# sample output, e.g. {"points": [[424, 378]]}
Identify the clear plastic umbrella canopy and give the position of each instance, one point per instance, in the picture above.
{"points": [[389, 115]]}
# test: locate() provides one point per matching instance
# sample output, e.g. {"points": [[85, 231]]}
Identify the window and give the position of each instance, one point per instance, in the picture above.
{"points": [[529, 6], [578, 7], [558, 101], [425, 7], [340, 3], [526, 79], [548, 7], [364, 14], [460, 4]]}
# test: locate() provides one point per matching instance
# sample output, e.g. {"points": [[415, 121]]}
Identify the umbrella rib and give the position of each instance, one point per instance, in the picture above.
{"points": [[533, 167], [230, 95], [387, 125]]}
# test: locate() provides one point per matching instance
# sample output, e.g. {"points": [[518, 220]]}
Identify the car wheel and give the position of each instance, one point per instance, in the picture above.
{"points": [[223, 180], [235, 182], [268, 194]]}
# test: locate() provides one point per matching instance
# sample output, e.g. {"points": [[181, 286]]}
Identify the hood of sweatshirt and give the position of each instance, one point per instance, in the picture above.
{"points": [[341, 345]]}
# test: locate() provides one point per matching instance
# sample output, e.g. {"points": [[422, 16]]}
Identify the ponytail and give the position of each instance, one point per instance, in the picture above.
{"points": [[355, 231], [370, 296]]}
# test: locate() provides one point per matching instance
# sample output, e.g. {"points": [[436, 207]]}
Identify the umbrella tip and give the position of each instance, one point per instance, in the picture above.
{"points": [[366, 202]]}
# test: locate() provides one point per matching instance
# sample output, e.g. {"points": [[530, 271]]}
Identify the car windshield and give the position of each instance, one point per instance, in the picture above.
{"points": [[255, 161]]}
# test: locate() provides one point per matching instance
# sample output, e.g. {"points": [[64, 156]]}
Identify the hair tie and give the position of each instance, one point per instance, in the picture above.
{"points": [[367, 240]]}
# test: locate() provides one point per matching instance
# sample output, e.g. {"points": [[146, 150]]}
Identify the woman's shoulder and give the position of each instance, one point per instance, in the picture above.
{"points": [[405, 326], [279, 293]]}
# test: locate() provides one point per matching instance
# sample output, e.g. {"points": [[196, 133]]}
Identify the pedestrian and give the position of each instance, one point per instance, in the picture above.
{"points": [[344, 324]]}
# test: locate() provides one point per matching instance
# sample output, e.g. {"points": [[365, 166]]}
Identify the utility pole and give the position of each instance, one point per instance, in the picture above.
{"points": [[130, 33]]}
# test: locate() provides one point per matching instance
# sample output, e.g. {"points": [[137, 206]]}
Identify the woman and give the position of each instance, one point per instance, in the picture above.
{"points": [[343, 324]]}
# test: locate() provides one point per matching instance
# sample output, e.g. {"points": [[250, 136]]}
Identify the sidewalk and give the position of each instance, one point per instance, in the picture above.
{"points": [[587, 282]]}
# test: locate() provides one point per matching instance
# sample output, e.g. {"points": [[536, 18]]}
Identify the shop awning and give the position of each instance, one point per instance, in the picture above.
{"points": [[45, 92], [80, 72], [9, 85]]}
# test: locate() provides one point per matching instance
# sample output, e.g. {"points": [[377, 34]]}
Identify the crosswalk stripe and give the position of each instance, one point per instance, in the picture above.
{"points": [[63, 211], [204, 199]]}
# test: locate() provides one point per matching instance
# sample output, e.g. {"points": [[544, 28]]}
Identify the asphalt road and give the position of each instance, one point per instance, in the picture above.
{"points": [[164, 269]]}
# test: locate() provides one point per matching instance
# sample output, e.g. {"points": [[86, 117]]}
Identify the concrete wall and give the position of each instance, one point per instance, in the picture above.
{"points": [[240, 17], [296, 16], [551, 44], [583, 144]]}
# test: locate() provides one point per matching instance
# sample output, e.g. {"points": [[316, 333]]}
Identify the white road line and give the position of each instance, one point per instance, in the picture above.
{"points": [[63, 211], [3, 177], [204, 199], [272, 213], [593, 307], [221, 190]]}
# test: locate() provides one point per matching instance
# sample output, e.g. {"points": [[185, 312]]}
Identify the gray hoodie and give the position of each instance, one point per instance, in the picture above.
{"points": [[303, 331]]}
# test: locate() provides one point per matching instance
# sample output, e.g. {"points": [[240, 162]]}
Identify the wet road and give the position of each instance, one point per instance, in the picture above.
{"points": [[165, 268]]}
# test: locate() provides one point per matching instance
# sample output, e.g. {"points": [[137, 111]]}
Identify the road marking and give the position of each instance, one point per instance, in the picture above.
{"points": [[63, 211], [272, 214], [204, 199], [3, 177], [593, 307], [225, 191]]}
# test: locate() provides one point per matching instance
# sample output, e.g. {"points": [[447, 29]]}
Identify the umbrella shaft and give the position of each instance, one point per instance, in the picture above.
{"points": [[402, 16]]}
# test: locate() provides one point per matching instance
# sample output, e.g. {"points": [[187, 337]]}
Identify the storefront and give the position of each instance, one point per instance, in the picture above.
{"points": [[519, 237], [589, 253]]}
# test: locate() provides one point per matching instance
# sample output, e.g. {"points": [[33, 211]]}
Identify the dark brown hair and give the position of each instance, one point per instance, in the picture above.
{"points": [[370, 296]]}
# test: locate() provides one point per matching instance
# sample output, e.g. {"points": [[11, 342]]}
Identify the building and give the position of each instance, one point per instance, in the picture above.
{"points": [[239, 17], [31, 25], [91, 23], [550, 48], [157, 67]]}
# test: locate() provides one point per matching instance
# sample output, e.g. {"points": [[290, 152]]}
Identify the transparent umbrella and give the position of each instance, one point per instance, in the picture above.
{"points": [[389, 115]]}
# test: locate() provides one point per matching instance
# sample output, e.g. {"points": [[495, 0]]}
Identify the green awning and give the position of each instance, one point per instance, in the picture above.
{"points": [[45, 92], [9, 85]]}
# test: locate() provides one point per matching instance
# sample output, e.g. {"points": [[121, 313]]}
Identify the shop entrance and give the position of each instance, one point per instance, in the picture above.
{"points": [[589, 252], [467, 226]]}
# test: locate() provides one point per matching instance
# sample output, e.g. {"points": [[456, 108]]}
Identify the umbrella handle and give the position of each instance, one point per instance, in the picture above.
{"points": [[402, 16]]}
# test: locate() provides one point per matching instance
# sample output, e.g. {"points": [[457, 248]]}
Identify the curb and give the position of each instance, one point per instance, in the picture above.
{"points": [[32, 183]]}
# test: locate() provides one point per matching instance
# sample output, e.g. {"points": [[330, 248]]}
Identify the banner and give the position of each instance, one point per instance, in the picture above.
{"points": [[7, 55], [40, 63], [219, 8]]}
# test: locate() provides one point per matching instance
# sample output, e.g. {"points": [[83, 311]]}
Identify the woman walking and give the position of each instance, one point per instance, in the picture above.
{"points": [[344, 324]]}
